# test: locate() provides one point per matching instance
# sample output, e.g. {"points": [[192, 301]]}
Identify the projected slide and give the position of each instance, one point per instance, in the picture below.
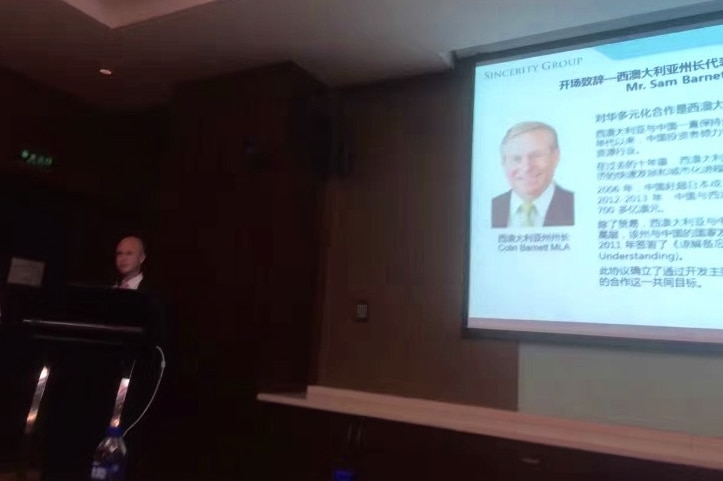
{"points": [[597, 190]]}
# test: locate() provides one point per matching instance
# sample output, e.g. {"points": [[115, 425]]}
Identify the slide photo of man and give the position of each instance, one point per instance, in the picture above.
{"points": [[530, 154]]}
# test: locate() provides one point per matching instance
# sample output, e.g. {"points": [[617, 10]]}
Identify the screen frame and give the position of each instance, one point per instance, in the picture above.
{"points": [[561, 332]]}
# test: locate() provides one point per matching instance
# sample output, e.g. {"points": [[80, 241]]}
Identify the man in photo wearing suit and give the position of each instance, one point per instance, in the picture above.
{"points": [[530, 154]]}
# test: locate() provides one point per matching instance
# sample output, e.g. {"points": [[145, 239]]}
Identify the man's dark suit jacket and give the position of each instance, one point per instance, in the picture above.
{"points": [[157, 332], [146, 371], [145, 286], [560, 213]]}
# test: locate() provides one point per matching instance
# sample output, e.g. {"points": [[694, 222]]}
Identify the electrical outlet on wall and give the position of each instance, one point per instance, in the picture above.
{"points": [[361, 313]]}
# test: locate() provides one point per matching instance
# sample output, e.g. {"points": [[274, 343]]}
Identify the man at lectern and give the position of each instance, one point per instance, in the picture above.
{"points": [[130, 255]]}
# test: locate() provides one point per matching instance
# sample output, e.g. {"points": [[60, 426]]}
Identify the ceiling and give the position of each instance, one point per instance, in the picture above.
{"points": [[153, 44]]}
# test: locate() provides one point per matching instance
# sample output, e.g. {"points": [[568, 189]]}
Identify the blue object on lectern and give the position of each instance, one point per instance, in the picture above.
{"points": [[344, 475]]}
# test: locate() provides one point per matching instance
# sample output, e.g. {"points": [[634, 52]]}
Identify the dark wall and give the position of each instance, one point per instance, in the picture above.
{"points": [[238, 226], [395, 236], [256, 249], [225, 183], [102, 185], [103, 182]]}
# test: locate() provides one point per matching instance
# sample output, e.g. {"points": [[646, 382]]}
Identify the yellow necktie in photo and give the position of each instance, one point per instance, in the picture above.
{"points": [[528, 214]]}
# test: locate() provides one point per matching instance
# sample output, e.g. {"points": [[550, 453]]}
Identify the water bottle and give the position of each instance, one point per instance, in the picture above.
{"points": [[109, 460]]}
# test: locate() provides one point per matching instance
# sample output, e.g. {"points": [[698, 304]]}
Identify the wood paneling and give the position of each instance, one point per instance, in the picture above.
{"points": [[396, 230], [384, 450], [238, 226], [624, 441]]}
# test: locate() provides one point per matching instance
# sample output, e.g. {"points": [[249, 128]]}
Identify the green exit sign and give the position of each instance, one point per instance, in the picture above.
{"points": [[36, 159]]}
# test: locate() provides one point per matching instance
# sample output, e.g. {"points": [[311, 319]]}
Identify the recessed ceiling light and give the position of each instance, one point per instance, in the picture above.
{"points": [[106, 71]]}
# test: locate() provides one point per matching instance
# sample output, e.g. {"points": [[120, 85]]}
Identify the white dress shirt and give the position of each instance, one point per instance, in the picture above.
{"points": [[131, 283]]}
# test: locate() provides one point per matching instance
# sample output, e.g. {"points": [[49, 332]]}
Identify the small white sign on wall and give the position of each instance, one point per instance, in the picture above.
{"points": [[26, 272]]}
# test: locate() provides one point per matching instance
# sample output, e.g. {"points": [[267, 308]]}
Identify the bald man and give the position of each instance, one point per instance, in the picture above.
{"points": [[130, 254], [129, 257]]}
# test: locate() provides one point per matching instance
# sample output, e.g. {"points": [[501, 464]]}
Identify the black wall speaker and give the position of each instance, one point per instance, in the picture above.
{"points": [[318, 130]]}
